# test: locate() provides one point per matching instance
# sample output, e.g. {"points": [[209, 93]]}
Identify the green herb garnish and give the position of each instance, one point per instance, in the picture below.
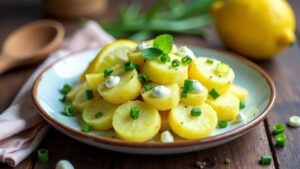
{"points": [[175, 63], [165, 58], [128, 66], [164, 43], [278, 128], [43, 155], [280, 140], [86, 128], [265, 159], [63, 99], [148, 87], [66, 89], [214, 94], [242, 105], [209, 61], [134, 112], [143, 78], [186, 60], [107, 72], [151, 53], [70, 110], [89, 95], [196, 112], [98, 115], [222, 123]]}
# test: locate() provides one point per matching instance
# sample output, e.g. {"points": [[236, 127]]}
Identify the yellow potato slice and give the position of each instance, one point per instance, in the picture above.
{"points": [[212, 73], [195, 99], [164, 73], [227, 106], [238, 91], [128, 88], [81, 101], [193, 127], [77, 88], [141, 129], [163, 103], [99, 114]]}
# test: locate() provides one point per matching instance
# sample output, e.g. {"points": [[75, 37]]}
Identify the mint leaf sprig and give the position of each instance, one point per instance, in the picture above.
{"points": [[162, 45]]}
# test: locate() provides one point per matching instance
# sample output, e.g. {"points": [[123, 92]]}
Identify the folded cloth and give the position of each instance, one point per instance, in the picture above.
{"points": [[21, 126]]}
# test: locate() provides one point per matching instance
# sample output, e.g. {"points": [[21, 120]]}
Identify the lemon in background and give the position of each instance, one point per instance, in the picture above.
{"points": [[258, 29]]}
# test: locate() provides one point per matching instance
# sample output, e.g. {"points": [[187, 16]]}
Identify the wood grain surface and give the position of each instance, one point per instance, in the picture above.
{"points": [[244, 152]]}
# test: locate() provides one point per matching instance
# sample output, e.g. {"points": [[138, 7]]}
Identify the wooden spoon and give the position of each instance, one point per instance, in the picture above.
{"points": [[31, 43]]}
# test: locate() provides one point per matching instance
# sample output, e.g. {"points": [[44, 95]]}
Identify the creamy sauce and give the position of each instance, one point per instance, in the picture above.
{"points": [[160, 91], [166, 137], [197, 87], [112, 81]]}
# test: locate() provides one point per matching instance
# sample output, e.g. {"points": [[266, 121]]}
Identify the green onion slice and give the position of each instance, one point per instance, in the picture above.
{"points": [[222, 123], [98, 115], [66, 89], [43, 155], [278, 128], [280, 140], [196, 111], [148, 87], [242, 105], [134, 113], [89, 94], [265, 159], [143, 78], [86, 128], [107, 72], [214, 94], [186, 60], [70, 110], [165, 58], [175, 63]]}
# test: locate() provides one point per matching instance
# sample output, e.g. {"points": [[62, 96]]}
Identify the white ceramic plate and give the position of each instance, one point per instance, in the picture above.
{"points": [[46, 98]]}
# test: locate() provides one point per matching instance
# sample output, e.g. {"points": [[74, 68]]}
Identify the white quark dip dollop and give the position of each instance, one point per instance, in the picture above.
{"points": [[166, 137], [64, 164], [160, 91], [142, 46], [112, 81], [197, 87], [185, 51]]}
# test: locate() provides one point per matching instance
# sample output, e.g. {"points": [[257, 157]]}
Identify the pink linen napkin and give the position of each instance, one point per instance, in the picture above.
{"points": [[21, 126]]}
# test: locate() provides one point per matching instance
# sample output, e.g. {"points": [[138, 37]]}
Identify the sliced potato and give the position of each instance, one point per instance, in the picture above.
{"points": [[238, 91], [81, 101], [195, 99], [193, 127], [141, 129], [77, 88], [163, 103], [128, 88], [99, 114], [227, 106], [136, 57], [164, 73], [212, 73]]}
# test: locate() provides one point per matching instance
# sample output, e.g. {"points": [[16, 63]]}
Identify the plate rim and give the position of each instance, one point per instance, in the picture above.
{"points": [[186, 143]]}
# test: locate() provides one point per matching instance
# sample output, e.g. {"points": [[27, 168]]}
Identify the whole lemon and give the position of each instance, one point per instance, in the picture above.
{"points": [[258, 29]]}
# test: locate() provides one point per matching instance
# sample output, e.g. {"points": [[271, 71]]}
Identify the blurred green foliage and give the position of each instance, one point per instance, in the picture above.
{"points": [[164, 16]]}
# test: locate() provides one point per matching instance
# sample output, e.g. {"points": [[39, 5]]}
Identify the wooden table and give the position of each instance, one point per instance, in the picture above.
{"points": [[244, 152]]}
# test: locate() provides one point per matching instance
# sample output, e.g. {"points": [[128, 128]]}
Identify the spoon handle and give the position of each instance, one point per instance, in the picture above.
{"points": [[5, 64]]}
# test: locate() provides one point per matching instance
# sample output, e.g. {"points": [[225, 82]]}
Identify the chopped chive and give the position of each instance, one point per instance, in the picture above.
{"points": [[107, 72], [86, 128], [148, 87], [165, 58], [278, 128], [222, 123], [98, 115], [70, 110], [63, 99], [43, 155], [184, 94], [242, 105], [209, 61], [130, 66], [66, 89], [280, 140], [186, 60], [214, 94], [227, 161], [188, 85], [265, 159], [196, 111], [89, 94], [175, 63], [134, 112], [143, 78]]}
